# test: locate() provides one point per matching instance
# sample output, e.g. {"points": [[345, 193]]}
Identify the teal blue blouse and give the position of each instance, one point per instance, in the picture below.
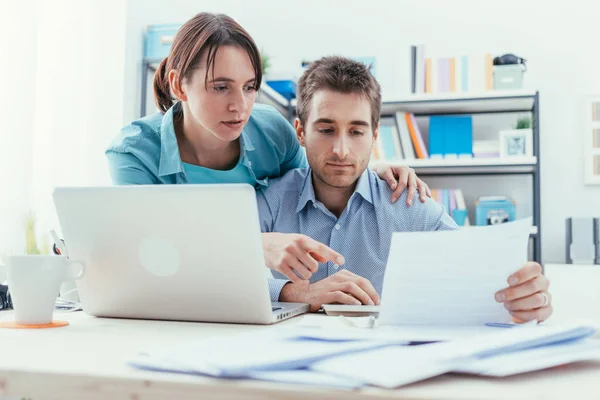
{"points": [[146, 152]]}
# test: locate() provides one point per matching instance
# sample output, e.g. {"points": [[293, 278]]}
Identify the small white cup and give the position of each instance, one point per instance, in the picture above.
{"points": [[34, 283]]}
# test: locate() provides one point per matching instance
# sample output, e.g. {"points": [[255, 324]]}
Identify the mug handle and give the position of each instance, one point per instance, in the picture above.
{"points": [[81, 273]]}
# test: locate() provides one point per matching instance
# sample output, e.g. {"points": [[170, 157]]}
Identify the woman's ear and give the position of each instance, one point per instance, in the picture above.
{"points": [[176, 86], [299, 131]]}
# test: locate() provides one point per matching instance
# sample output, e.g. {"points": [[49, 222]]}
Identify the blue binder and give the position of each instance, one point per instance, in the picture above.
{"points": [[451, 135]]}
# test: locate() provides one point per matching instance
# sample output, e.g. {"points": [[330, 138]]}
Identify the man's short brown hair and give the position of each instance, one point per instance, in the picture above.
{"points": [[342, 75]]}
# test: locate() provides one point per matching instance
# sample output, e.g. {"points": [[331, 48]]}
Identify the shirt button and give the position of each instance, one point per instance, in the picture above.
{"points": [[249, 163], [337, 227]]}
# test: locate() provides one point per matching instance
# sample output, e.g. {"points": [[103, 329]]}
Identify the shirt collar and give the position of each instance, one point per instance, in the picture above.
{"points": [[245, 142], [363, 188], [170, 159]]}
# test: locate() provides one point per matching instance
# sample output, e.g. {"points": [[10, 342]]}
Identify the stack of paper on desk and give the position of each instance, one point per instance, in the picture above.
{"points": [[352, 359], [397, 366], [276, 350]]}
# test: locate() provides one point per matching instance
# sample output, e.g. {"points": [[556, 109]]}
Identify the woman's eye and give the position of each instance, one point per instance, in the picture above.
{"points": [[250, 88], [220, 88]]}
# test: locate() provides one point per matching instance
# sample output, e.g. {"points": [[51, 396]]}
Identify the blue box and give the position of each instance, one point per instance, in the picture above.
{"points": [[494, 210], [286, 88], [451, 135], [158, 40]]}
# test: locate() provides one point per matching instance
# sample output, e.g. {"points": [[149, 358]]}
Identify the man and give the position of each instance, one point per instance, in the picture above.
{"points": [[339, 202]]}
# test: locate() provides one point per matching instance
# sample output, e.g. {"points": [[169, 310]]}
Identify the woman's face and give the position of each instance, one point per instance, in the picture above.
{"points": [[222, 107]]}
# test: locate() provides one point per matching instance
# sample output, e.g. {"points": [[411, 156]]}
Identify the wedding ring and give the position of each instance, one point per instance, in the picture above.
{"points": [[546, 299]]}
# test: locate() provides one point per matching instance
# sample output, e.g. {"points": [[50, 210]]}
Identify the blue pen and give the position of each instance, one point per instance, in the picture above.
{"points": [[511, 324]]}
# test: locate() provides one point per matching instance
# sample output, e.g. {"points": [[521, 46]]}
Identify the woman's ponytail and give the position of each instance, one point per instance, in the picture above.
{"points": [[162, 90]]}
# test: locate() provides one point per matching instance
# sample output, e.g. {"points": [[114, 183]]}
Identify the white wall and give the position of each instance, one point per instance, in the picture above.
{"points": [[556, 39]]}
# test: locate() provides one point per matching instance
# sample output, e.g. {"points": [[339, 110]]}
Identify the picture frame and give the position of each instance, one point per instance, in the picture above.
{"points": [[515, 143]]}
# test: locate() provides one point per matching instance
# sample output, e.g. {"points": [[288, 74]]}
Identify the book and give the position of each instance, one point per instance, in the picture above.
{"points": [[413, 135], [404, 134], [419, 136]]}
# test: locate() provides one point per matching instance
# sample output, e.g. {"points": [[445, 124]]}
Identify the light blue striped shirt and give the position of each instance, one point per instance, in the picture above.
{"points": [[362, 233]]}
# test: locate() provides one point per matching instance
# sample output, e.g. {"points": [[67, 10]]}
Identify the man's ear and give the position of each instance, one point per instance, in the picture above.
{"points": [[176, 86], [299, 131], [376, 133]]}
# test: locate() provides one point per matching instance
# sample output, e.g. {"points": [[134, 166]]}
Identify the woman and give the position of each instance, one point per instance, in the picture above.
{"points": [[209, 130]]}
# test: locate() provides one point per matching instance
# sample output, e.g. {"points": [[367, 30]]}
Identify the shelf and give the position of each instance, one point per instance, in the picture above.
{"points": [[459, 103], [454, 103], [521, 165]]}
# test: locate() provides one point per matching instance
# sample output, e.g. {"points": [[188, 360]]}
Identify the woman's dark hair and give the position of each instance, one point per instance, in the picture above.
{"points": [[204, 33]]}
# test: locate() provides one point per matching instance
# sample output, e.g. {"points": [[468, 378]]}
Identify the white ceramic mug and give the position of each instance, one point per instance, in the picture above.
{"points": [[34, 282]]}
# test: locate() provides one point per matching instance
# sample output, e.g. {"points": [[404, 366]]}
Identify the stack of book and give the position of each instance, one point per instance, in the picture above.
{"points": [[400, 139], [454, 203], [450, 137], [447, 74], [486, 149]]}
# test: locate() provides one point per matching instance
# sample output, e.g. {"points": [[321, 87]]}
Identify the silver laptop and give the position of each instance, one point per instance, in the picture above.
{"points": [[170, 252]]}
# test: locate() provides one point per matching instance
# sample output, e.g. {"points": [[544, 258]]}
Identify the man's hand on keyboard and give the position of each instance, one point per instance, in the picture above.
{"points": [[343, 287]]}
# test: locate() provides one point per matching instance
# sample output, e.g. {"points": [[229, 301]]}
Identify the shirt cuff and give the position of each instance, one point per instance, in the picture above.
{"points": [[275, 286]]}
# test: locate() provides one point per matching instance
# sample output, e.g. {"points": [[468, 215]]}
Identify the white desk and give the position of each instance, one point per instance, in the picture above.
{"points": [[87, 360]]}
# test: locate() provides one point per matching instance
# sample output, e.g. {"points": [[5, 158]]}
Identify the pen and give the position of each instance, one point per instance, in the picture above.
{"points": [[511, 325], [59, 243]]}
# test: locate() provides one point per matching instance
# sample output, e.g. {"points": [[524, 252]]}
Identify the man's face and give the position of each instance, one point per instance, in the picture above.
{"points": [[338, 137]]}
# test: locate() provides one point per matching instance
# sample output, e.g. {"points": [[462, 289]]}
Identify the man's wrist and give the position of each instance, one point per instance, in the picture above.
{"points": [[286, 293], [294, 292]]}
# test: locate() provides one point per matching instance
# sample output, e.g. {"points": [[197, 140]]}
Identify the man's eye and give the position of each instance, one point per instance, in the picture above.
{"points": [[358, 133], [326, 131]]}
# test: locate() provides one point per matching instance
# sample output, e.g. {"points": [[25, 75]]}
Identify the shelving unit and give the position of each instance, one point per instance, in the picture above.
{"points": [[471, 104], [149, 65]]}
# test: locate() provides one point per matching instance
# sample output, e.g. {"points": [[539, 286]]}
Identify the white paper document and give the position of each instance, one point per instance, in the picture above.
{"points": [[259, 351], [450, 278], [400, 365], [534, 359], [358, 357]]}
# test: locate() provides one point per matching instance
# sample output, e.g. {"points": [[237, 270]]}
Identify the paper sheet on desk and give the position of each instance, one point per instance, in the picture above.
{"points": [[239, 355], [534, 359], [450, 277], [400, 365]]}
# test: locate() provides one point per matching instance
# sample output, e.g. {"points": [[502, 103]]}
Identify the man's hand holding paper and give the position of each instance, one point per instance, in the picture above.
{"points": [[527, 296]]}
